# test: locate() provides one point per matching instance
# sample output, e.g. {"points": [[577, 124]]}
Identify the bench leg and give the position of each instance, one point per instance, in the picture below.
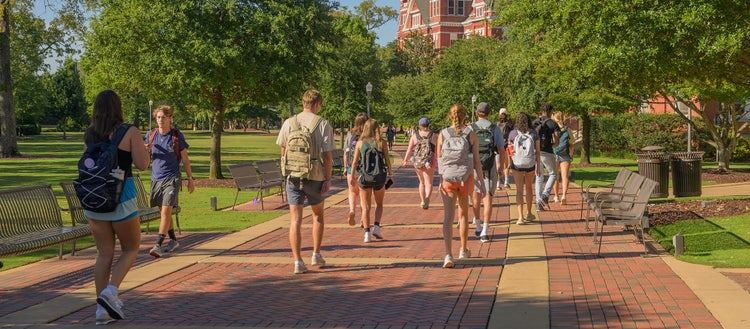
{"points": [[235, 198], [177, 219], [60, 253]]}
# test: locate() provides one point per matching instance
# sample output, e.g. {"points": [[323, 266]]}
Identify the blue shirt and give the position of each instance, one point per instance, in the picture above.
{"points": [[164, 162]]}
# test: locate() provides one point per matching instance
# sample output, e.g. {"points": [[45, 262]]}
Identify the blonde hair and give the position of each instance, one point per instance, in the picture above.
{"points": [[558, 117], [370, 131], [457, 115], [166, 109], [311, 98]]}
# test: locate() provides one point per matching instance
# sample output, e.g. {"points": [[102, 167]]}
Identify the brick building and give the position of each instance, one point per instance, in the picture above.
{"points": [[446, 20]]}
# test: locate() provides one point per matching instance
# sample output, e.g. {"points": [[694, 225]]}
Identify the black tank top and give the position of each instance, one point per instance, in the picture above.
{"points": [[125, 161]]}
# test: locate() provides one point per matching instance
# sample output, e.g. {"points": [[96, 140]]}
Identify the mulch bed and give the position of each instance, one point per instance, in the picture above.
{"points": [[670, 212]]}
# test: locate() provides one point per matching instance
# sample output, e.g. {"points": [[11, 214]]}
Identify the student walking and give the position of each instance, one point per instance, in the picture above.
{"points": [[563, 157], [492, 160], [421, 154], [525, 163], [372, 159], [506, 125], [457, 171], [307, 163], [350, 143], [548, 132], [168, 149], [123, 223]]}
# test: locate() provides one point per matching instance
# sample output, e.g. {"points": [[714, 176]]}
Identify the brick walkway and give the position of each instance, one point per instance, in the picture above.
{"points": [[542, 275]]}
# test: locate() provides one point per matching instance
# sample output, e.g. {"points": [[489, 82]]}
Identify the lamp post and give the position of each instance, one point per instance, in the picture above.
{"points": [[473, 109], [368, 88], [150, 113]]}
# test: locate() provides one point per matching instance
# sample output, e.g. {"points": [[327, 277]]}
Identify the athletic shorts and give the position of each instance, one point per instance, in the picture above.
{"points": [[165, 192], [490, 179], [460, 188], [297, 191], [513, 166]]}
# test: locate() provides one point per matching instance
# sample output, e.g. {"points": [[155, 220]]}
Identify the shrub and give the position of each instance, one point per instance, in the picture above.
{"points": [[29, 129]]}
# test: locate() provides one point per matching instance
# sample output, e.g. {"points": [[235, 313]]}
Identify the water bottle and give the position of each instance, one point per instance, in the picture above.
{"points": [[119, 175]]}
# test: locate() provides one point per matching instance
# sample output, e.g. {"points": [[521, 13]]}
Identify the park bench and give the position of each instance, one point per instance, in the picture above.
{"points": [[270, 176], [587, 194], [606, 199], [146, 214], [246, 178], [338, 161], [31, 220]]}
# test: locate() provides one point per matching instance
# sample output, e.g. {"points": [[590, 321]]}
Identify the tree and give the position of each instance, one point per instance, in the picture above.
{"points": [[374, 16], [67, 100], [224, 51]]}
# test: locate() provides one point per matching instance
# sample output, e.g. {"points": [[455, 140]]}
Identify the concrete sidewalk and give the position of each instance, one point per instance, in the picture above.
{"points": [[542, 275]]}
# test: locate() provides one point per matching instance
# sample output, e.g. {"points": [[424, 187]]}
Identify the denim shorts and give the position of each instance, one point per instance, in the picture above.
{"points": [[297, 191], [563, 158]]}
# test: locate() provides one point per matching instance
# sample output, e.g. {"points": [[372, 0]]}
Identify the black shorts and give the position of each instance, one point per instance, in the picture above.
{"points": [[513, 166]]}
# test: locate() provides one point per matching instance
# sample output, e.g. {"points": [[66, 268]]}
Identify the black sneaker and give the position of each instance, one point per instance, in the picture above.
{"points": [[539, 206], [545, 201]]}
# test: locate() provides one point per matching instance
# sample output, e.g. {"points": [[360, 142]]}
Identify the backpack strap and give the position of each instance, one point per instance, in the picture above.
{"points": [[176, 144], [119, 133]]}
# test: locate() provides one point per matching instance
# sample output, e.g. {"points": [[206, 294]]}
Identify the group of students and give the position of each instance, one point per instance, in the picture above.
{"points": [[164, 148]]}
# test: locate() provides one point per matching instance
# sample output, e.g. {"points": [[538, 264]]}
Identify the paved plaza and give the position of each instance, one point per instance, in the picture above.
{"points": [[541, 275]]}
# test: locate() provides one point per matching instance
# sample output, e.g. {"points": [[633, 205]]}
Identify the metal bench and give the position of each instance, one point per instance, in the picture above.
{"points": [[31, 220], [270, 176], [246, 178], [338, 161]]}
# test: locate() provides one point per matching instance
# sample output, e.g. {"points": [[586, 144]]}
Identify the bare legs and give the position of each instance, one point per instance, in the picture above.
{"points": [[425, 182], [524, 181], [295, 239], [449, 204], [105, 233]]}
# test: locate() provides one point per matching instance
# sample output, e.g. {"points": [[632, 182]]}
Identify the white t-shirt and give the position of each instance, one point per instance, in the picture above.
{"points": [[323, 137]]}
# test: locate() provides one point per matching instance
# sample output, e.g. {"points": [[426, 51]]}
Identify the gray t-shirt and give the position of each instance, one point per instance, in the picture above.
{"points": [[322, 137]]}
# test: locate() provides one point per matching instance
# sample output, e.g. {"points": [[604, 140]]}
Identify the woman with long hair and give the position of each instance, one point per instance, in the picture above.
{"points": [[457, 171], [523, 175], [123, 223], [369, 139], [563, 156], [350, 143], [421, 154]]}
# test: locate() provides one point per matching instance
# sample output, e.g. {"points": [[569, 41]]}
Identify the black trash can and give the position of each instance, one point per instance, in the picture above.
{"points": [[686, 173], [654, 164]]}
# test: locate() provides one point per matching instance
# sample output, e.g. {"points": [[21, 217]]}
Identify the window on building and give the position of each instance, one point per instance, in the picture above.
{"points": [[415, 20], [403, 19], [480, 11], [434, 8], [451, 7], [461, 7]]}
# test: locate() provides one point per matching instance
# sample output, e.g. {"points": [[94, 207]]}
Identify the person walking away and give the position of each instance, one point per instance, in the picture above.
{"points": [[563, 157], [492, 160], [306, 142], [391, 136], [506, 125], [421, 154], [168, 148], [457, 171], [350, 143], [372, 159], [123, 223], [548, 132], [524, 153]]}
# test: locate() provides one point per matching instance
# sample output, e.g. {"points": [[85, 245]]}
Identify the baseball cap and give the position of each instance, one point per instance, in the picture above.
{"points": [[503, 111], [424, 122], [483, 108]]}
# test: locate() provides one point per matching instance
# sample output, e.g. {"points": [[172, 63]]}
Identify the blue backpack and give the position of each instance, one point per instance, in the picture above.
{"points": [[97, 188]]}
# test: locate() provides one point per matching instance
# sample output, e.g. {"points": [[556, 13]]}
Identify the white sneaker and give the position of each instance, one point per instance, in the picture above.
{"points": [[499, 186], [448, 262], [102, 317], [317, 260], [376, 232], [554, 199], [109, 301], [465, 253], [368, 237], [530, 218], [520, 222], [299, 267]]}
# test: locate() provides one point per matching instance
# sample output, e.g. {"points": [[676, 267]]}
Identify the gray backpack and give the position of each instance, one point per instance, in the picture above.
{"points": [[455, 162]]}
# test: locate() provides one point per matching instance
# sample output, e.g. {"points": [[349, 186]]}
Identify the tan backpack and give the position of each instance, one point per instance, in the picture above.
{"points": [[297, 162]]}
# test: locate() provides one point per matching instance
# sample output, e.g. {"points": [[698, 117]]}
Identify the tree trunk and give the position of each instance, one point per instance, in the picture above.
{"points": [[585, 138], [217, 127], [724, 156], [8, 141]]}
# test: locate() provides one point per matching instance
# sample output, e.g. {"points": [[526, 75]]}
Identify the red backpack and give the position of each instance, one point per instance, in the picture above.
{"points": [[175, 142]]}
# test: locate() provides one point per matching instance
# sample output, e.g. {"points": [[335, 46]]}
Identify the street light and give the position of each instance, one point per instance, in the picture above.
{"points": [[368, 88], [150, 113], [473, 109]]}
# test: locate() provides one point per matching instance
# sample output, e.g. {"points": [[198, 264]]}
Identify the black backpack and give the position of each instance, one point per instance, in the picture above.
{"points": [[373, 171], [96, 187], [487, 146], [545, 135], [350, 148]]}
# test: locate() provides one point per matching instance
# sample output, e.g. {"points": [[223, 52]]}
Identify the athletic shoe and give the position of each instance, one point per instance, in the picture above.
{"points": [[465, 253], [421, 204], [299, 267], [499, 186], [351, 218], [155, 251], [520, 222], [317, 260], [507, 186], [545, 200], [102, 317], [109, 301], [427, 203], [171, 246], [554, 200], [563, 201], [376, 232], [539, 206], [478, 224], [530, 218], [368, 237], [484, 238], [448, 262]]}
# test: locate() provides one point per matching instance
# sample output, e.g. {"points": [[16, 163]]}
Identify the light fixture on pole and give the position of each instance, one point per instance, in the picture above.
{"points": [[473, 109], [368, 88], [150, 113]]}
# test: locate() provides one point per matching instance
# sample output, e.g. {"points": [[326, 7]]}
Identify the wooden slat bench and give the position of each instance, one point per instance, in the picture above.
{"points": [[31, 220]]}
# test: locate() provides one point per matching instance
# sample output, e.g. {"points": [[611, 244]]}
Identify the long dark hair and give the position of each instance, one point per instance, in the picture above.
{"points": [[107, 116], [523, 122]]}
